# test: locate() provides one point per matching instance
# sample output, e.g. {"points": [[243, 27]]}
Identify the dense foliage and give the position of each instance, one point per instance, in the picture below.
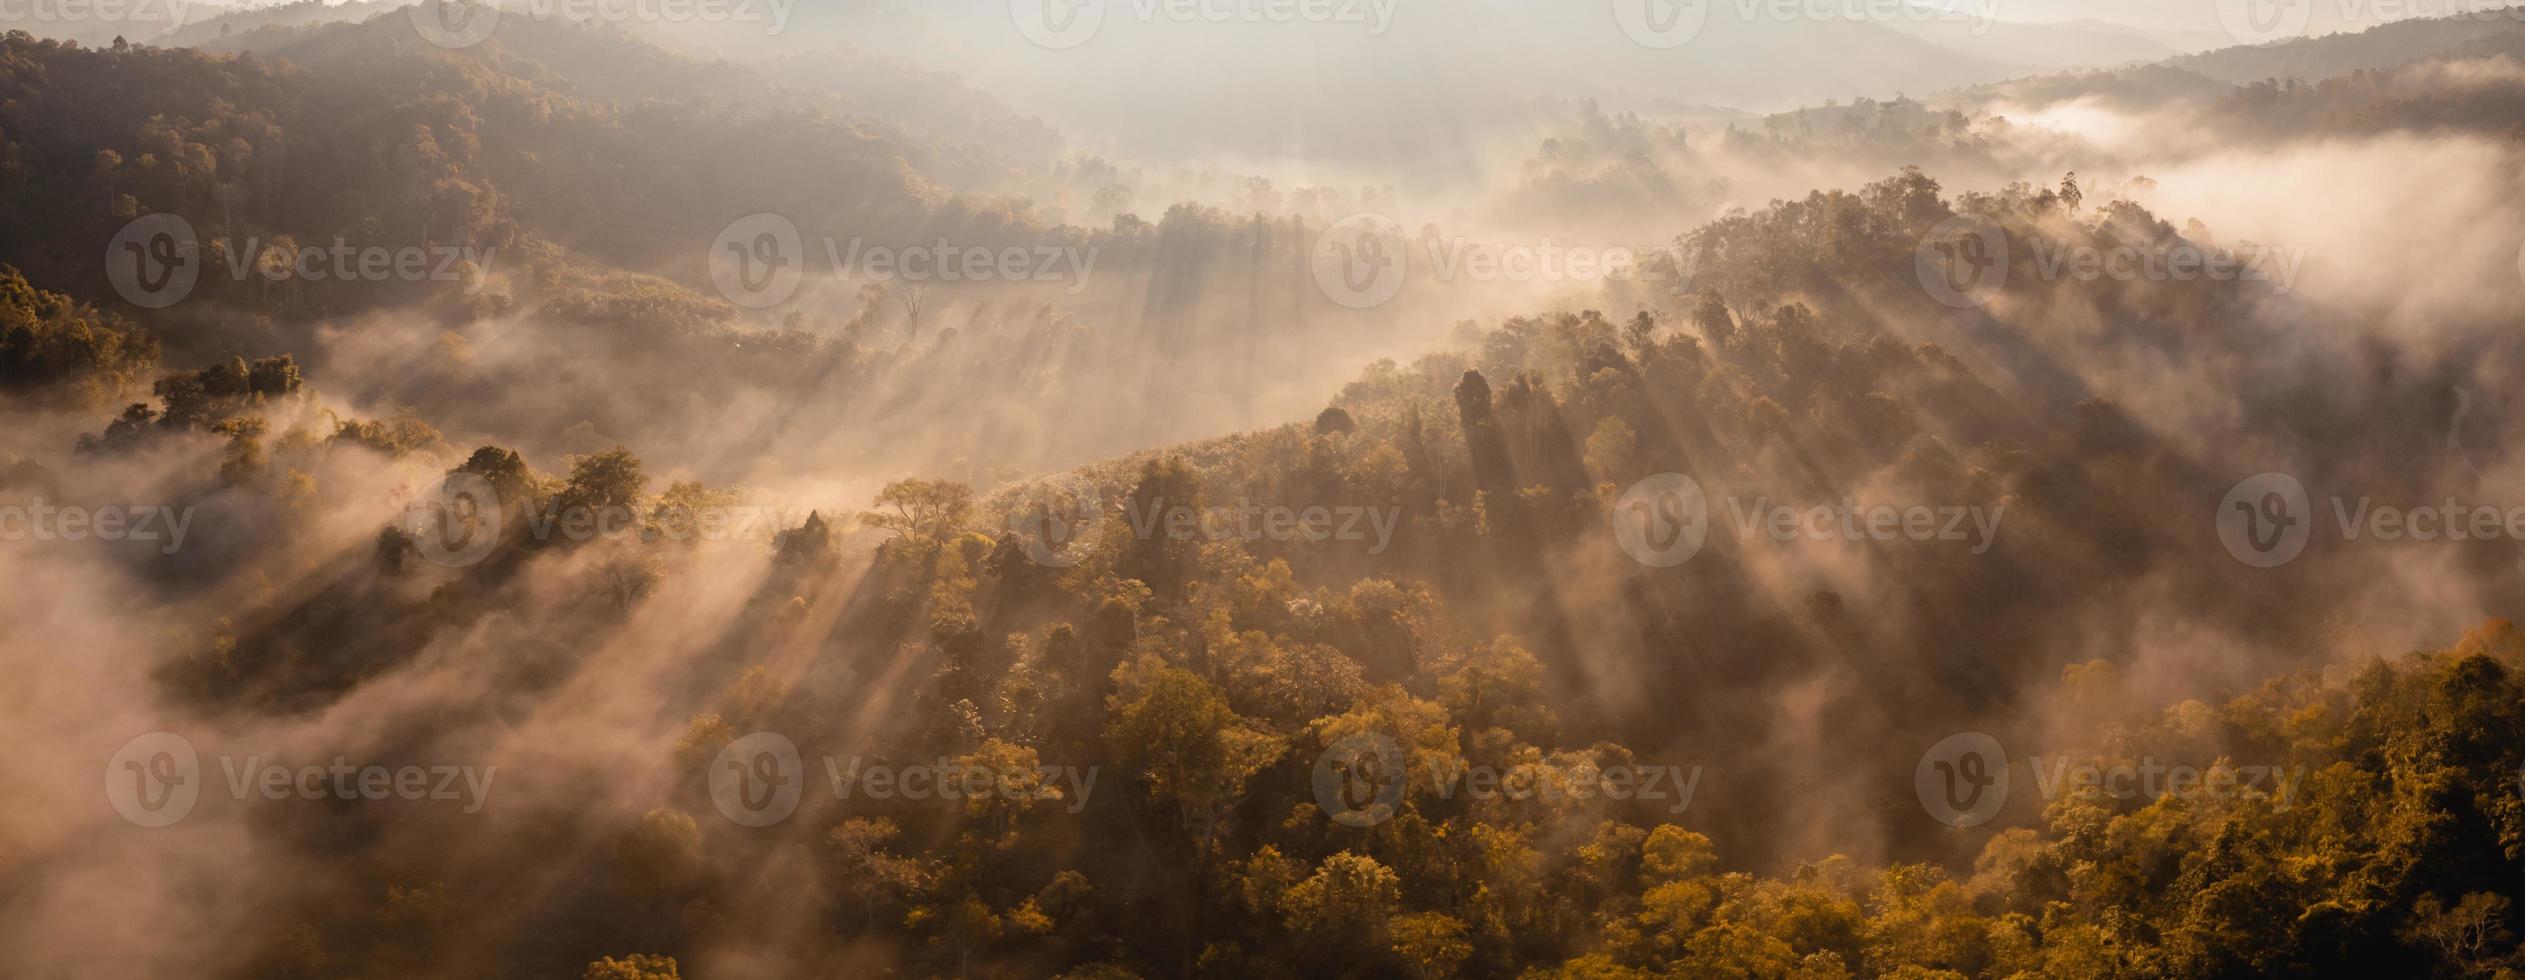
{"points": [[1167, 698]]}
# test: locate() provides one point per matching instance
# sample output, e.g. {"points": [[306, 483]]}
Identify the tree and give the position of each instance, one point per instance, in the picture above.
{"points": [[1016, 782], [1610, 449], [1188, 748], [1155, 556], [868, 868], [660, 855], [1431, 944], [923, 514], [1672, 853], [907, 295], [2465, 933], [603, 487], [1345, 904], [59, 349]]}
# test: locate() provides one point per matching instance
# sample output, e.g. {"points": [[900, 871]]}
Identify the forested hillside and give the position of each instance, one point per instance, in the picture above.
{"points": [[1182, 613]]}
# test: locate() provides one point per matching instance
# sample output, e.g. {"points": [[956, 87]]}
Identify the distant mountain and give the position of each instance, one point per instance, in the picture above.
{"points": [[2170, 18], [2213, 75], [199, 30], [1442, 73], [97, 25], [2053, 47], [609, 64], [2315, 59], [918, 99], [547, 132]]}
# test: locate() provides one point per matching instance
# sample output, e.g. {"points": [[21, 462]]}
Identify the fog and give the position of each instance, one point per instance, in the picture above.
{"points": [[1547, 178]]}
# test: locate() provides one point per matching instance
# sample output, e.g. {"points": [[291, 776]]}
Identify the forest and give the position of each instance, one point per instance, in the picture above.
{"points": [[393, 475]]}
